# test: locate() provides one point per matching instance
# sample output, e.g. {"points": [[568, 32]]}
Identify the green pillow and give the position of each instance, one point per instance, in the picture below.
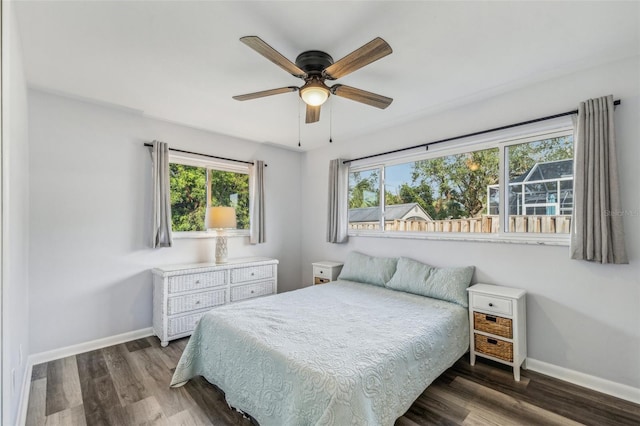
{"points": [[368, 269], [449, 284]]}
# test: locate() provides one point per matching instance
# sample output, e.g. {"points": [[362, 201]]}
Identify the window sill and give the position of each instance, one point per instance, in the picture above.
{"points": [[538, 239], [208, 234]]}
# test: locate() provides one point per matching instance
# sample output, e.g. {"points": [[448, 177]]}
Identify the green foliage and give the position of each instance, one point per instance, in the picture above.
{"points": [[188, 187], [364, 189], [231, 190], [455, 186]]}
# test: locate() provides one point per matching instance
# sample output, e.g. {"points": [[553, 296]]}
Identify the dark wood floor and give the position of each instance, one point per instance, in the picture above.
{"points": [[127, 384]]}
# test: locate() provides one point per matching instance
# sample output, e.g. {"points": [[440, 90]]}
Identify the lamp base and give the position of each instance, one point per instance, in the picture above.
{"points": [[221, 249]]}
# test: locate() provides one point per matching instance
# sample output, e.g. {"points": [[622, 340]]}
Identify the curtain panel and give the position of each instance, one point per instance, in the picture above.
{"points": [[161, 195], [256, 204], [338, 213], [597, 233]]}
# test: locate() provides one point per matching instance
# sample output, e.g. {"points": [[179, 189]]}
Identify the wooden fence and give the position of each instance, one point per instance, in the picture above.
{"points": [[484, 224]]}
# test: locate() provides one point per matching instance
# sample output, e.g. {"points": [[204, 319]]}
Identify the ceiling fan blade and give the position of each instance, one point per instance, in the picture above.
{"points": [[370, 52], [257, 44], [264, 93], [313, 114], [360, 95]]}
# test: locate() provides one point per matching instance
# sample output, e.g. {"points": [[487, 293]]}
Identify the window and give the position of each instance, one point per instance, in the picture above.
{"points": [[196, 184], [455, 191]]}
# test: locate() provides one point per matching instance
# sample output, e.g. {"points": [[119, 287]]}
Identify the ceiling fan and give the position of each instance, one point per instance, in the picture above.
{"points": [[315, 67]]}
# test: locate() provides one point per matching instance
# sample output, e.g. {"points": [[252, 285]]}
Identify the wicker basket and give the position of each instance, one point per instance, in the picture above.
{"points": [[493, 325], [494, 347]]}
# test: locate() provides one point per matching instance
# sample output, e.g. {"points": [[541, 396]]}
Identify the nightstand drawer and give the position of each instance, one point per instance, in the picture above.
{"points": [[493, 347], [242, 292], [188, 282], [493, 324], [491, 304], [319, 271], [251, 273], [191, 302]]}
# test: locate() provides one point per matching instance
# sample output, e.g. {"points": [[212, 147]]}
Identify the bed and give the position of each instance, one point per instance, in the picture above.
{"points": [[343, 353]]}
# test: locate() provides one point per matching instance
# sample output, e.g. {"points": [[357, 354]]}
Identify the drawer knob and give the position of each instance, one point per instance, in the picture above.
{"points": [[322, 272], [490, 304], [492, 341], [197, 302], [253, 273], [197, 281], [252, 291]]}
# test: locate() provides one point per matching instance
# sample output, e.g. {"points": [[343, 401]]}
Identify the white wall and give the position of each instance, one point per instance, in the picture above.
{"points": [[581, 316], [15, 227], [89, 234]]}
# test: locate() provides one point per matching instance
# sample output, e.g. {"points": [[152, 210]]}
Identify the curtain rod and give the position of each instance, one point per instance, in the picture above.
{"points": [[207, 155], [495, 129]]}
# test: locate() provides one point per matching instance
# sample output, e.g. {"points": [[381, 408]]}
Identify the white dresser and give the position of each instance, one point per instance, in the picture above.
{"points": [[183, 293]]}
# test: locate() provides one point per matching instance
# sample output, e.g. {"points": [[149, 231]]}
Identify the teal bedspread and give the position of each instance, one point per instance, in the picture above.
{"points": [[342, 353]]}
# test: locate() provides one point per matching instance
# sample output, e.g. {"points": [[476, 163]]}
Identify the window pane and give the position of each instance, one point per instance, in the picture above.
{"points": [[231, 189], [445, 194], [188, 197], [364, 199], [541, 185]]}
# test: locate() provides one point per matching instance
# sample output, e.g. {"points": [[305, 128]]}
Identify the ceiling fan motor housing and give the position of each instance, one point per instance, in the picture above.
{"points": [[313, 62]]}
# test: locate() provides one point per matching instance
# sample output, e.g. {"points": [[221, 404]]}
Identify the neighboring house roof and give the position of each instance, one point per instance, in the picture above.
{"points": [[396, 211], [548, 170]]}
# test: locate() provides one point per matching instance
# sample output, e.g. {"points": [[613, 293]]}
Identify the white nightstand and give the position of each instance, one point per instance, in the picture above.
{"points": [[326, 271], [497, 317]]}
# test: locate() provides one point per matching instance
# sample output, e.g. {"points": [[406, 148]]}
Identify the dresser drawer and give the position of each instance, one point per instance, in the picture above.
{"points": [[248, 291], [493, 324], [322, 272], [494, 347], [180, 283], [251, 273], [191, 302], [491, 304], [183, 324]]}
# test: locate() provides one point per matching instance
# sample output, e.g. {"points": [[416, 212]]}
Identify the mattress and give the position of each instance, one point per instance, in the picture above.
{"points": [[333, 354]]}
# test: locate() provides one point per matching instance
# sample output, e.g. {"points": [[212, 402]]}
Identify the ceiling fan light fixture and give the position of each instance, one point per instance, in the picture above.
{"points": [[314, 93]]}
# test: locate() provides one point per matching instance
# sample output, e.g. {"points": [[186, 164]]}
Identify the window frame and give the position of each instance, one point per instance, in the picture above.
{"points": [[211, 164], [530, 133]]}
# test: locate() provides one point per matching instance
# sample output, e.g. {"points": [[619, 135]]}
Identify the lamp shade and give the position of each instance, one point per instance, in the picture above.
{"points": [[220, 218], [314, 93]]}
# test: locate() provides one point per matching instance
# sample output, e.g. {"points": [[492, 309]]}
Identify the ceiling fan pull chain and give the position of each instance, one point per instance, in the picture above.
{"points": [[331, 121], [299, 102]]}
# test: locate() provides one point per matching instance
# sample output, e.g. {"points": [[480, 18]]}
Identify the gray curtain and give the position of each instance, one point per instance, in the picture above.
{"points": [[338, 213], [596, 233], [256, 205], [161, 196]]}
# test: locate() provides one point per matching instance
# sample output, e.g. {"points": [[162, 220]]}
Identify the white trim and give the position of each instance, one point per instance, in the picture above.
{"points": [[619, 390], [23, 404], [89, 346]]}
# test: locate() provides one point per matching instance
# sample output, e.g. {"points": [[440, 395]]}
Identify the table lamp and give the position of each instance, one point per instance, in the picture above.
{"points": [[221, 219]]}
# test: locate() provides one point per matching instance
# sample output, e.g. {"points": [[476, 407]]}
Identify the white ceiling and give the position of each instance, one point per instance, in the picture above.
{"points": [[182, 61]]}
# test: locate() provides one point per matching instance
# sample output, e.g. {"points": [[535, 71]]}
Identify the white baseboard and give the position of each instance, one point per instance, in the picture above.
{"points": [[51, 355], [89, 346], [24, 395], [618, 390]]}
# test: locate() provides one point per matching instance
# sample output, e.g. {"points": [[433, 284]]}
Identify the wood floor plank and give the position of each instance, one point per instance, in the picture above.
{"points": [[92, 364], [157, 377], [211, 401], [63, 385], [69, 417], [136, 345], [143, 412], [39, 371], [516, 410], [37, 402], [185, 418], [128, 384], [99, 396]]}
